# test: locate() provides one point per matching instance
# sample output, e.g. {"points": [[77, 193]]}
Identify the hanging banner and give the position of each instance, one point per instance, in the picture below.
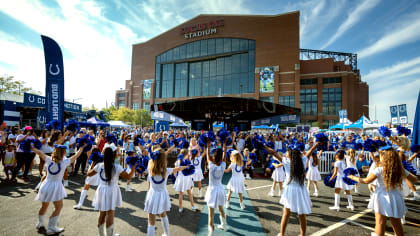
{"points": [[394, 114], [41, 118], [266, 79], [342, 115], [402, 111], [54, 89], [147, 88]]}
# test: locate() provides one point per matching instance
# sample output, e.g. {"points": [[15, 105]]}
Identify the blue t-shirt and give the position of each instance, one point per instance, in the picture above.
{"points": [[348, 145], [360, 164]]}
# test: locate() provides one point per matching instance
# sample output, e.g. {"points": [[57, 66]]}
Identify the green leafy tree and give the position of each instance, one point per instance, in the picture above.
{"points": [[143, 118], [123, 114], [108, 112], [8, 85]]}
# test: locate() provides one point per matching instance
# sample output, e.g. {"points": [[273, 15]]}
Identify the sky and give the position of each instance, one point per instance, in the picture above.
{"points": [[96, 38]]}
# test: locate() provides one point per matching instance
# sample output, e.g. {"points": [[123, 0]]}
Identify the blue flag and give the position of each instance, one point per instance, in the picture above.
{"points": [[54, 89], [416, 124]]}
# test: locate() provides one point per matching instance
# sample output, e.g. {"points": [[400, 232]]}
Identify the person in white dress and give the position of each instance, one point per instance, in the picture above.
{"points": [[351, 163], [52, 188], [184, 184], [157, 198], [295, 197], [108, 194], [236, 182], [278, 176], [339, 167], [313, 174], [89, 181], [198, 176], [387, 200], [215, 195]]}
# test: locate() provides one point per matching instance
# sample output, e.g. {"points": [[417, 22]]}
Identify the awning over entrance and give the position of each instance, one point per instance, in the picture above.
{"points": [[230, 110]]}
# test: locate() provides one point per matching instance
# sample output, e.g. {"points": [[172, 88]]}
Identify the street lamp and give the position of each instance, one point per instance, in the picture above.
{"points": [[374, 107]]}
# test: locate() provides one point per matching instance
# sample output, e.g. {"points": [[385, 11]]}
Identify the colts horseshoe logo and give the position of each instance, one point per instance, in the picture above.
{"points": [[52, 72]]}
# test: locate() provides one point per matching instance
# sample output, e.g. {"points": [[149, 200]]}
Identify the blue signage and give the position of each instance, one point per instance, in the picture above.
{"points": [[402, 111], [394, 114], [161, 125], [32, 100], [54, 89], [281, 119]]}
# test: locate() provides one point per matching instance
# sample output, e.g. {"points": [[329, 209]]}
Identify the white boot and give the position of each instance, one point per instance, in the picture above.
{"points": [[211, 231], [271, 193], [101, 230], [165, 225], [350, 201], [40, 222], [336, 202], [110, 231], [52, 226], [150, 230], [242, 205], [223, 224], [356, 189], [81, 200], [247, 176]]}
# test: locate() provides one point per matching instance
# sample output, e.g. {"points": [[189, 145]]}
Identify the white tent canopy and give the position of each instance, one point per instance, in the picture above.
{"points": [[118, 123]]}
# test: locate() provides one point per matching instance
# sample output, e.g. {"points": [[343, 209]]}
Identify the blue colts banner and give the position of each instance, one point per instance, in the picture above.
{"points": [[402, 110], [54, 89], [394, 114]]}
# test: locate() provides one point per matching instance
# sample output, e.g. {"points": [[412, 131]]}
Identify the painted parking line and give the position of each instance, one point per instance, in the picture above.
{"points": [[366, 227], [76, 183], [341, 223], [265, 186], [412, 209]]}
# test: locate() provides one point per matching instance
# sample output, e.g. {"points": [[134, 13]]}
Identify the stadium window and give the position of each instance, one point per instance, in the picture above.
{"points": [[267, 99], [331, 101], [146, 106], [308, 101], [332, 80], [308, 81], [135, 106], [287, 101]]}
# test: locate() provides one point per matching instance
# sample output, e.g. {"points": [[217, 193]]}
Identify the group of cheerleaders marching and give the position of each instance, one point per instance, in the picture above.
{"points": [[385, 179]]}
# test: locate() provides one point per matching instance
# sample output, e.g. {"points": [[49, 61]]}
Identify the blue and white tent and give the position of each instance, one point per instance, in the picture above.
{"points": [[362, 123], [341, 125]]}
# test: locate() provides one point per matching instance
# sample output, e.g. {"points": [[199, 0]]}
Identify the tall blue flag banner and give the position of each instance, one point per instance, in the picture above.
{"points": [[416, 124], [394, 114], [54, 89], [402, 110]]}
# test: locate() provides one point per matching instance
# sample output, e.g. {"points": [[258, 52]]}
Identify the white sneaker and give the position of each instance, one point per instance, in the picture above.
{"points": [[227, 205], [181, 210], [247, 176], [30, 173], [334, 208], [415, 197], [223, 224], [351, 208], [77, 207], [242, 205], [403, 220], [20, 173], [193, 208], [128, 188], [315, 194]]}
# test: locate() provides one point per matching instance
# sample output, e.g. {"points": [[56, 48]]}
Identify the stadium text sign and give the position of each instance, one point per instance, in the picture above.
{"points": [[199, 30]]}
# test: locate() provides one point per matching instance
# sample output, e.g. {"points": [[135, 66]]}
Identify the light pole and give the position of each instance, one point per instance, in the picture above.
{"points": [[374, 107], [77, 99]]}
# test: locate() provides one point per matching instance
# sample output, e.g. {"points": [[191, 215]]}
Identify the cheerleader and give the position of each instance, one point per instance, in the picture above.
{"points": [[215, 194], [198, 172], [128, 188], [339, 167], [157, 199], [184, 183], [236, 182], [351, 163], [295, 197], [52, 189], [90, 181], [313, 174], [387, 200], [374, 163], [277, 176], [108, 194]]}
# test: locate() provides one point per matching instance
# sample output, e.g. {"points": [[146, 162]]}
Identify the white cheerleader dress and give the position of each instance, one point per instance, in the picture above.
{"points": [[157, 198], [339, 183], [371, 169], [215, 194], [198, 172], [313, 172], [92, 180], [107, 195], [183, 183], [351, 165], [52, 189], [295, 196], [278, 174], [387, 203], [236, 182]]}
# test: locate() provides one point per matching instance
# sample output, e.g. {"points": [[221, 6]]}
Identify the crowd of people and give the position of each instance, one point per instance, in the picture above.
{"points": [[289, 159]]}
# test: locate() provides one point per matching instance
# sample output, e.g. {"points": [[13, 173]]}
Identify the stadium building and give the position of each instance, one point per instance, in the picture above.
{"points": [[247, 56]]}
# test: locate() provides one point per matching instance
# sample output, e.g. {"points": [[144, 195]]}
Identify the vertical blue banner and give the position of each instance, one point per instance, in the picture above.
{"points": [[394, 114], [54, 89], [402, 110]]}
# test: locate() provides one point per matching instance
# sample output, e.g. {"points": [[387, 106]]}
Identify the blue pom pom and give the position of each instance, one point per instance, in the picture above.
{"points": [[379, 143], [120, 142], [72, 125], [223, 135], [229, 152], [236, 130], [370, 146], [403, 130], [96, 157], [322, 138], [25, 145], [138, 141], [253, 157], [190, 170], [54, 124], [347, 172], [131, 160], [271, 166], [410, 167], [229, 141], [270, 144], [194, 152], [258, 142], [299, 147], [172, 177], [111, 138], [329, 183], [384, 131], [37, 143], [211, 136], [86, 139], [415, 148]]}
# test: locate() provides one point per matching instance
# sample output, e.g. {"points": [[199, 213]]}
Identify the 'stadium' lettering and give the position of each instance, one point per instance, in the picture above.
{"points": [[55, 101], [200, 33], [199, 30]]}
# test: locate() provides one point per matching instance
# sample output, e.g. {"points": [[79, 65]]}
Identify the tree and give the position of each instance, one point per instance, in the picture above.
{"points": [[108, 112], [143, 118], [123, 114], [8, 85]]}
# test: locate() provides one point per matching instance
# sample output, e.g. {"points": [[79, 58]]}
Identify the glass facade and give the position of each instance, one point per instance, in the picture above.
{"points": [[308, 101], [146, 106], [332, 80], [135, 106], [287, 101], [331, 101], [207, 67], [121, 95], [308, 81], [267, 99]]}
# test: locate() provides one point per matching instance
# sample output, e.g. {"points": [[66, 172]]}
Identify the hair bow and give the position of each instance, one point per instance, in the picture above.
{"points": [[154, 155]]}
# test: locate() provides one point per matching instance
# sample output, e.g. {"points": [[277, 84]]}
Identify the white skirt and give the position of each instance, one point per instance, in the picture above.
{"points": [[296, 198], [388, 203], [313, 174], [157, 202], [405, 189], [236, 184], [107, 197], [51, 191], [339, 183], [198, 175], [183, 183], [215, 196], [278, 175], [92, 180]]}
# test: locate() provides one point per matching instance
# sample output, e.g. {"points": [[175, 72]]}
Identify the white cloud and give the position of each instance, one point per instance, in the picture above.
{"points": [[354, 16], [392, 71], [403, 32]]}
